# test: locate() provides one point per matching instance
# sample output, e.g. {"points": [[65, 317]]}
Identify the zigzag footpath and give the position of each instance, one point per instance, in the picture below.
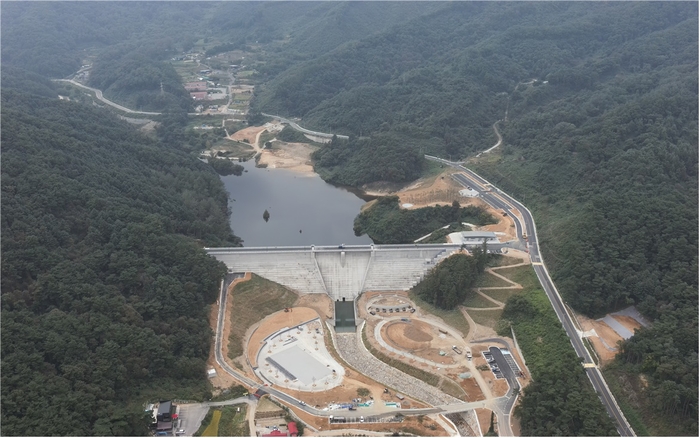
{"points": [[498, 199]]}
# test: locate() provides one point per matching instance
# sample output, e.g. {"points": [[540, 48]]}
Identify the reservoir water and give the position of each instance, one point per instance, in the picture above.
{"points": [[295, 201]]}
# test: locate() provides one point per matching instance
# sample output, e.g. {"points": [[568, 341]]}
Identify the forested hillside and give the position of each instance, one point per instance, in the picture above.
{"points": [[600, 140], [135, 40], [386, 222], [133, 75], [105, 287], [598, 103], [51, 38], [447, 285]]}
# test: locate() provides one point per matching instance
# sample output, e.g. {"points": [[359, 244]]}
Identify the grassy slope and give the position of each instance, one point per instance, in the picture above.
{"points": [[252, 301]]}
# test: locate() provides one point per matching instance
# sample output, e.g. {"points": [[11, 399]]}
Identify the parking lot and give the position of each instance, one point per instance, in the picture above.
{"points": [[495, 369], [511, 361], [191, 416]]}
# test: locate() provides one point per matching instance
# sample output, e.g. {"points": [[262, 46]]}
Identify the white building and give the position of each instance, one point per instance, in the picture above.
{"points": [[473, 237]]}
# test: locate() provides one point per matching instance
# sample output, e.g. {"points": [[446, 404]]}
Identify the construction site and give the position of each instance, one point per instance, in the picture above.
{"points": [[346, 337]]}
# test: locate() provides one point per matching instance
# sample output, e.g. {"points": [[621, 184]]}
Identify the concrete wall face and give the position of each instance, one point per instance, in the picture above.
{"points": [[338, 272]]}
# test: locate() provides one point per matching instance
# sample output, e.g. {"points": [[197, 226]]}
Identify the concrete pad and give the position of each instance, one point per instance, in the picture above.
{"points": [[301, 364], [619, 328]]}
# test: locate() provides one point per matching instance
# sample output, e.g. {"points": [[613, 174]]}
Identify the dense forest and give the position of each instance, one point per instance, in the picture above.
{"points": [[358, 161], [560, 400], [447, 285], [386, 222], [598, 103], [140, 79], [600, 128], [105, 287]]}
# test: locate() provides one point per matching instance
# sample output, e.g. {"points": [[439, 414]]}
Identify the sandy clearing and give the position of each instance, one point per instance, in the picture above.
{"points": [[292, 156], [321, 303], [443, 190], [470, 386], [250, 134], [398, 335], [605, 343], [484, 417], [273, 323]]}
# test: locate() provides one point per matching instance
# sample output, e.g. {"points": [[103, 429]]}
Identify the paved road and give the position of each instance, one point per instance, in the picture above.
{"points": [[272, 391], [449, 247], [98, 93], [508, 401], [100, 97], [304, 130], [498, 143], [471, 179]]}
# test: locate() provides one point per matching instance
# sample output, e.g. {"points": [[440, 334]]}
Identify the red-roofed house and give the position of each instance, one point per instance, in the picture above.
{"points": [[292, 428], [276, 433]]}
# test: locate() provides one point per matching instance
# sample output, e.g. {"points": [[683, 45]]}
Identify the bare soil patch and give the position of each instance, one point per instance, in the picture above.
{"points": [[321, 303], [605, 343], [443, 190], [483, 415], [292, 156], [437, 190], [250, 134], [428, 427], [471, 387], [273, 323], [395, 335], [412, 332]]}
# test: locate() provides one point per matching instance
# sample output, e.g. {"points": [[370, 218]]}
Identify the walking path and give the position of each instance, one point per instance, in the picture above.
{"points": [[499, 305], [353, 351], [378, 336], [498, 143]]}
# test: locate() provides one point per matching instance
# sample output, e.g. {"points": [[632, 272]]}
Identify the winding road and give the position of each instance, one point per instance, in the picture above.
{"points": [[498, 199], [100, 97], [498, 143], [304, 130]]}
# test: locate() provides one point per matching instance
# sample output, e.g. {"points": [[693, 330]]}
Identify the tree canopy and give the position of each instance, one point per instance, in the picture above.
{"points": [[387, 222], [105, 287], [447, 285]]}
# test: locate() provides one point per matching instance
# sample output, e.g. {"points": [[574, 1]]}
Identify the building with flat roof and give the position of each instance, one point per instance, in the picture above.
{"points": [[164, 410], [473, 237]]}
